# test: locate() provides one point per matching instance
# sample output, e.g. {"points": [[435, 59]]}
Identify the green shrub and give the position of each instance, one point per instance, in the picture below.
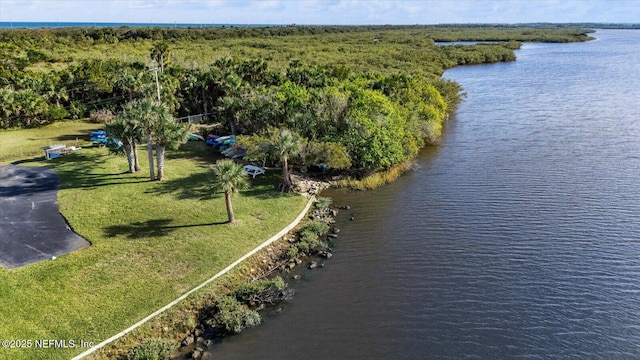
{"points": [[234, 316], [309, 241], [56, 112], [245, 291], [317, 227], [153, 349], [292, 252], [323, 202]]}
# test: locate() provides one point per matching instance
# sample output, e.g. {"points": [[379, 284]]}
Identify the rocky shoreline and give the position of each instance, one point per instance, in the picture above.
{"points": [[277, 260]]}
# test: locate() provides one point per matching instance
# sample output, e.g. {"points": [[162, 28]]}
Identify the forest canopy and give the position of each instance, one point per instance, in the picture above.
{"points": [[371, 93]]}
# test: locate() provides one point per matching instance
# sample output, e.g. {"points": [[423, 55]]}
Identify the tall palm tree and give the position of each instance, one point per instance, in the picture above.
{"points": [[160, 53], [230, 178], [169, 86], [167, 132], [229, 108], [125, 130], [284, 145], [136, 159], [145, 113]]}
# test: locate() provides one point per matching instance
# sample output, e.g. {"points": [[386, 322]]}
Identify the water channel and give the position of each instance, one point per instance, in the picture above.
{"points": [[517, 237]]}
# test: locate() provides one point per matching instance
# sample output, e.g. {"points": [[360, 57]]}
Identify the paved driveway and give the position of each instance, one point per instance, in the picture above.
{"points": [[31, 228]]}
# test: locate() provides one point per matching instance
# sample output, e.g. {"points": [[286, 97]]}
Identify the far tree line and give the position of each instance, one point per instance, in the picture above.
{"points": [[360, 122]]}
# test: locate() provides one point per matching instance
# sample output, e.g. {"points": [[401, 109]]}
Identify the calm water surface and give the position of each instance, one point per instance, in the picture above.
{"points": [[517, 237]]}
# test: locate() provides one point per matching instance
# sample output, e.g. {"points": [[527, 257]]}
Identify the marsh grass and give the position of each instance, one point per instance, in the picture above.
{"points": [[150, 242], [376, 179]]}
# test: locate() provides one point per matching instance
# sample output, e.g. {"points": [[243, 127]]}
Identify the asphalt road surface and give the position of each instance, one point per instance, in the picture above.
{"points": [[31, 227]]}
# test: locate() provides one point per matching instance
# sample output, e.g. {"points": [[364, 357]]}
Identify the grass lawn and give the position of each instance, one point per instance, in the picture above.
{"points": [[19, 144], [150, 242]]}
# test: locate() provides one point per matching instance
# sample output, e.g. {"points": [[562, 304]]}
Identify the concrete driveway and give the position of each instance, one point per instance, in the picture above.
{"points": [[31, 227]]}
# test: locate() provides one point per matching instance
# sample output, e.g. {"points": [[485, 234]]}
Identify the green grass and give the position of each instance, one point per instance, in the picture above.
{"points": [[150, 242], [19, 144]]}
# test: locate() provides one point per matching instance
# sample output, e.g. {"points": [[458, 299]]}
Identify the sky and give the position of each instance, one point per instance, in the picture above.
{"points": [[317, 12]]}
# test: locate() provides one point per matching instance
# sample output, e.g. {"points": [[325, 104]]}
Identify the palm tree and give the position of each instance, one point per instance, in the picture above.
{"points": [[285, 144], [134, 112], [145, 113], [229, 108], [229, 177], [136, 159], [169, 86], [160, 54], [130, 83], [167, 132], [125, 130], [230, 105]]}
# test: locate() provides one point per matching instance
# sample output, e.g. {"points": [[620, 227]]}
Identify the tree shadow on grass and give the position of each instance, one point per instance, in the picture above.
{"points": [[72, 172], [23, 161], [90, 181], [79, 137], [195, 150], [83, 170], [193, 186], [150, 228], [266, 186], [198, 186]]}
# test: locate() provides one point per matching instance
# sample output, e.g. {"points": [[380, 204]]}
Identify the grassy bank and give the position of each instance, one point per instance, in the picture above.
{"points": [[180, 321], [19, 144], [151, 242]]}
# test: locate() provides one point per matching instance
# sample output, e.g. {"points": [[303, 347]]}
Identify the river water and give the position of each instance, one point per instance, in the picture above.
{"points": [[517, 237]]}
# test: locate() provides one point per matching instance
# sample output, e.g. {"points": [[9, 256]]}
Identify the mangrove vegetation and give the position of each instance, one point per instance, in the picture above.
{"points": [[370, 96]]}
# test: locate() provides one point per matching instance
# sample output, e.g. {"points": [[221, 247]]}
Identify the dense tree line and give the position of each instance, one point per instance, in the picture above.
{"points": [[230, 87], [345, 118], [469, 54], [373, 120], [458, 32]]}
